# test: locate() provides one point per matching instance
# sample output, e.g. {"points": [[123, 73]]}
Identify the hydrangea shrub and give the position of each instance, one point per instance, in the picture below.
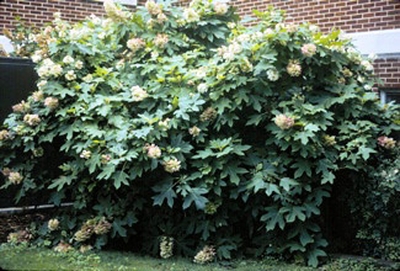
{"points": [[185, 132]]}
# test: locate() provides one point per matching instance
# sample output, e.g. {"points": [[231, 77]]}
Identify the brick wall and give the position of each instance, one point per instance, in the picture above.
{"points": [[348, 15], [39, 12], [388, 69]]}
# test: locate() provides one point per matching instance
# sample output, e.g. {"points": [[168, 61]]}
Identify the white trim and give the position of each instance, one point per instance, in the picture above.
{"points": [[384, 93], [32, 207], [124, 2], [6, 44], [381, 43]]}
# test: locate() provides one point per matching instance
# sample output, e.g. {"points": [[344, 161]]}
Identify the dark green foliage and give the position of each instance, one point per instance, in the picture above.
{"points": [[179, 124]]}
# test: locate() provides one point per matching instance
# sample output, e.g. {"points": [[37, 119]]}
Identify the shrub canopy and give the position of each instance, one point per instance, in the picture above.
{"points": [[181, 129]]}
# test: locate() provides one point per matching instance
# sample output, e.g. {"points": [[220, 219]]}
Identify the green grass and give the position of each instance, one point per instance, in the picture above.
{"points": [[24, 258], [28, 258]]}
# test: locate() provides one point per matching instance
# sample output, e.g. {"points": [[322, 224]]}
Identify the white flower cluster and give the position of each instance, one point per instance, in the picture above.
{"points": [[138, 94], [153, 151], [293, 68], [172, 165], [229, 52], [190, 15], [32, 119], [4, 134], [220, 8], [115, 12], [207, 254], [135, 44], [272, 75], [284, 122], [161, 40], [194, 131], [308, 49], [49, 68], [21, 107], [53, 224], [85, 154], [51, 103], [15, 177], [166, 247]]}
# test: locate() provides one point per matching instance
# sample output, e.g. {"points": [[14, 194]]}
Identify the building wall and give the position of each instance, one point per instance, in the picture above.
{"points": [[352, 16], [39, 12], [348, 15]]}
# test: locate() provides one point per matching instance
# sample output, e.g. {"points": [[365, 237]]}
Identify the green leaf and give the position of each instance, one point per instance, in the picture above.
{"points": [[61, 181], [166, 192], [311, 127], [365, 152], [294, 212], [328, 177], [143, 132], [195, 195], [272, 218], [287, 183], [117, 228], [107, 171], [120, 177], [305, 238], [303, 166], [257, 182], [313, 255]]}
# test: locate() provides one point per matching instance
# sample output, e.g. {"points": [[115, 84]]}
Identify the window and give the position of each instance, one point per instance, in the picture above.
{"points": [[389, 95], [124, 2]]}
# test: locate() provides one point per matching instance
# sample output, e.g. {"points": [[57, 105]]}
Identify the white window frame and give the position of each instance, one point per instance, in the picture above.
{"points": [[383, 94], [123, 2]]}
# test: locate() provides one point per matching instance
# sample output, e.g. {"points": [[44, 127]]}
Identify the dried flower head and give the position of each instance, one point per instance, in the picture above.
{"points": [[19, 237], [386, 142], [85, 248], [206, 255], [4, 134], [208, 114], [102, 227], [63, 247]]}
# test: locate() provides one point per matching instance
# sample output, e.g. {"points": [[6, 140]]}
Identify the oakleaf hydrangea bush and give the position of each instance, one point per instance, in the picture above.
{"points": [[183, 132]]}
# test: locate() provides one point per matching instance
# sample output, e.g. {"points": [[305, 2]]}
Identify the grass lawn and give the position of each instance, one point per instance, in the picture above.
{"points": [[45, 259], [23, 258]]}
